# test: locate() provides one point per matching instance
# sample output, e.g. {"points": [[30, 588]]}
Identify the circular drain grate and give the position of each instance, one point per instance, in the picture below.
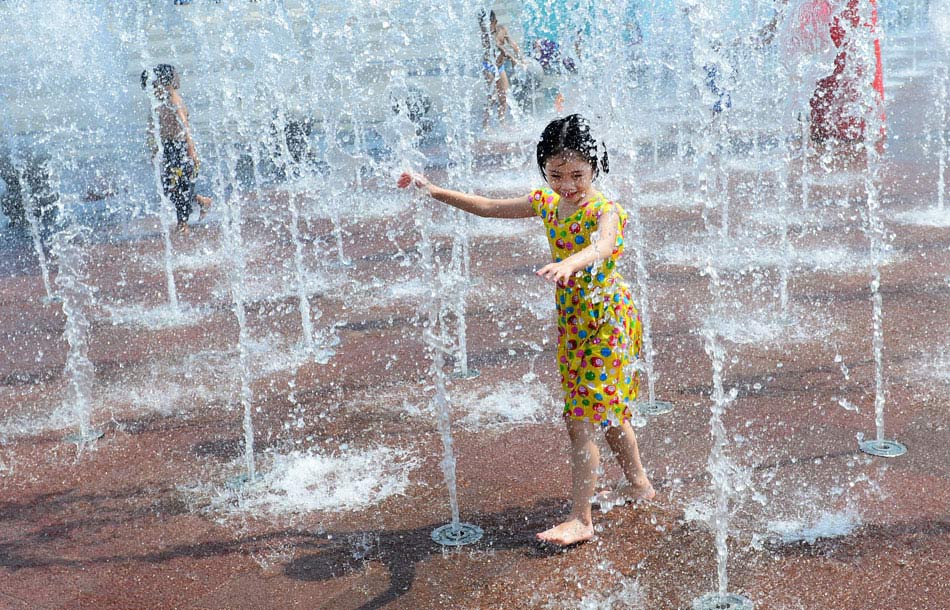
{"points": [[657, 407], [882, 448], [722, 601], [239, 482], [457, 534]]}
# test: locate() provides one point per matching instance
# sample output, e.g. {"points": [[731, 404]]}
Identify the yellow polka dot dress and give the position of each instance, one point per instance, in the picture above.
{"points": [[599, 327]]}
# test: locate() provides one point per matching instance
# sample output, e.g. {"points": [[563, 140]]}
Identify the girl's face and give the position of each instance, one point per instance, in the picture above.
{"points": [[570, 176]]}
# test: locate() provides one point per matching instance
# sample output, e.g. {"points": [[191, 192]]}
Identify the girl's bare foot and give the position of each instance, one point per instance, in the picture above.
{"points": [[204, 203], [183, 228], [640, 489], [569, 532], [626, 493]]}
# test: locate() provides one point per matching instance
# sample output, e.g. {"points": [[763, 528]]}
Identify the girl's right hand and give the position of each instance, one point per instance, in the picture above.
{"points": [[407, 178]]}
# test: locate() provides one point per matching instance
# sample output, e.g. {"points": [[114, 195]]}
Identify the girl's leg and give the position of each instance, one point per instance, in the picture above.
{"points": [[204, 203], [585, 457], [182, 207], [623, 442]]}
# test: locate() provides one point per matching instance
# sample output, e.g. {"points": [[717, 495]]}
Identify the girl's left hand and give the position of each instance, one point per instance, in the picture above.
{"points": [[559, 272], [407, 178]]}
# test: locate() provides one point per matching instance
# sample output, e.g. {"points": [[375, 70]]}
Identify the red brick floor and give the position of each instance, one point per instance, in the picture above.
{"points": [[122, 526]]}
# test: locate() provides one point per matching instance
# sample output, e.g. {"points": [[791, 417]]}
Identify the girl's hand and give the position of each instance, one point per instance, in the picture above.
{"points": [[407, 178], [558, 272]]}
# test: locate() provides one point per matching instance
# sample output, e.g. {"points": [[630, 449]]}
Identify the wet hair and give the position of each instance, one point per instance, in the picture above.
{"points": [[571, 135], [165, 75]]}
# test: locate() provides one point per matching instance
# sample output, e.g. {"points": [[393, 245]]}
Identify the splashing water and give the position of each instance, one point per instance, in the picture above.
{"points": [[826, 525], [307, 481], [69, 247]]}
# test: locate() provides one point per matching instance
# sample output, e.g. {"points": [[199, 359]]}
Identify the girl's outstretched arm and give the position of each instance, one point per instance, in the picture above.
{"points": [[517, 207], [600, 249]]}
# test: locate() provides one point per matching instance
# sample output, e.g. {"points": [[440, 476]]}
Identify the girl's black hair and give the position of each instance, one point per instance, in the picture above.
{"points": [[571, 134], [165, 74]]}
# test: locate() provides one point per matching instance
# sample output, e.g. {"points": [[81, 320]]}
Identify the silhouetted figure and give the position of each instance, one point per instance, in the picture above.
{"points": [[32, 187], [179, 163]]}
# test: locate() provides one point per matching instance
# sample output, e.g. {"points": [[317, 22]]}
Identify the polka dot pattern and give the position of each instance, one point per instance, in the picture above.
{"points": [[599, 327]]}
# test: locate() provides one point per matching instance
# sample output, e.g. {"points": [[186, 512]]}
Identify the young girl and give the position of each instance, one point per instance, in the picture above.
{"points": [[179, 157], [598, 325]]}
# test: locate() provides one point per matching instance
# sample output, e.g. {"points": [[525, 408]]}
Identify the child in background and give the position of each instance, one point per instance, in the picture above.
{"points": [[500, 55], [599, 328], [180, 163]]}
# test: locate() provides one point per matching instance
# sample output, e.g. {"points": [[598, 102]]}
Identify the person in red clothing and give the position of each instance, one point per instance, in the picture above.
{"points": [[837, 113], [834, 113]]}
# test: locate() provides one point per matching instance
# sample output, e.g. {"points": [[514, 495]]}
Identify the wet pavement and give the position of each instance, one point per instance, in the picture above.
{"points": [[145, 519]]}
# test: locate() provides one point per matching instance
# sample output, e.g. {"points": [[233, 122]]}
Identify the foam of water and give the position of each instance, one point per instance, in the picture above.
{"points": [[277, 286], [197, 380], [811, 217], [175, 386], [764, 326], [933, 217], [744, 257], [32, 424], [840, 179], [931, 367], [205, 254], [170, 387], [604, 587], [826, 525], [270, 354], [306, 481], [200, 258], [155, 318], [412, 289], [627, 595], [508, 404], [165, 398]]}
